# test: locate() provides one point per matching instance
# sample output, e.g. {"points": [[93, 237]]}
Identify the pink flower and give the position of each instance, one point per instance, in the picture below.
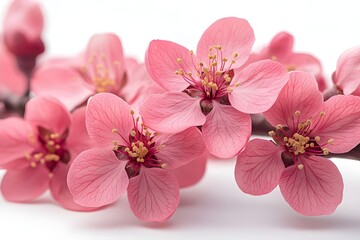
{"points": [[281, 49], [347, 75], [306, 129], [128, 157], [38, 151], [103, 68], [209, 89], [23, 27]]}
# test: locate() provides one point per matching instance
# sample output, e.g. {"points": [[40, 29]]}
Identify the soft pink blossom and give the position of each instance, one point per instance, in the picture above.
{"points": [[102, 68], [23, 27], [208, 89], [130, 158], [306, 129], [280, 49], [347, 75], [37, 151]]}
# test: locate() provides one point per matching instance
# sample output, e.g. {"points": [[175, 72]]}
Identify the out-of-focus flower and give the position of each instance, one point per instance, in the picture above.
{"points": [[37, 151], [306, 129], [23, 28], [280, 49], [103, 68], [129, 157], [208, 89]]}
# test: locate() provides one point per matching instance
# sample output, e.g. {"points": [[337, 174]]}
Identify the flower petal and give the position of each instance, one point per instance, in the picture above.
{"points": [[60, 191], [78, 139], [179, 149], [312, 187], [153, 195], [105, 112], [280, 46], [226, 130], [301, 94], [163, 58], [234, 35], [97, 178], [105, 51], [341, 123], [15, 136], [348, 70], [191, 173], [48, 113], [172, 112], [63, 83], [260, 84], [259, 167], [25, 184]]}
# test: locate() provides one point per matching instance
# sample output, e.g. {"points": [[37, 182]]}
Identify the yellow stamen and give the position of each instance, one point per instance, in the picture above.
{"points": [[300, 166]]}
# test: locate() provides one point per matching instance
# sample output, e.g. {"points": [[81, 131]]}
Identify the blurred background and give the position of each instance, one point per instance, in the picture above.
{"points": [[215, 208]]}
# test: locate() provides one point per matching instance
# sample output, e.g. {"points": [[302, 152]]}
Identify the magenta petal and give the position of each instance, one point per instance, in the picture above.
{"points": [[226, 130], [48, 113], [78, 139], [191, 173], [259, 85], [163, 58], [153, 195], [97, 178], [340, 125], [60, 191], [179, 149], [234, 35], [172, 112], [312, 187], [300, 94], [25, 184], [106, 112], [15, 141], [259, 167], [63, 83]]}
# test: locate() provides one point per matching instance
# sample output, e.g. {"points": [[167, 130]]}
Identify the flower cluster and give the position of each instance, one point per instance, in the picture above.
{"points": [[99, 125]]}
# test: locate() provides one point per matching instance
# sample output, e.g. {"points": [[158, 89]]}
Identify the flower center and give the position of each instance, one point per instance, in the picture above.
{"points": [[299, 141], [140, 150], [211, 79], [101, 73], [50, 150]]}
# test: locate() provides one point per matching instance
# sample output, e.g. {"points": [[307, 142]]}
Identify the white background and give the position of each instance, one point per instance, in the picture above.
{"points": [[215, 208]]}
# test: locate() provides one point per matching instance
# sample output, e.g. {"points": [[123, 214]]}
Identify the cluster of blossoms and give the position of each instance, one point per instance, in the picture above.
{"points": [[100, 124]]}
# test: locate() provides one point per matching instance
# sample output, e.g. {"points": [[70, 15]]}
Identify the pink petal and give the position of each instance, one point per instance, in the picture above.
{"points": [[78, 139], [260, 84], [60, 191], [15, 141], [161, 60], [191, 173], [301, 94], [307, 63], [234, 35], [105, 50], [179, 149], [280, 46], [26, 184], [226, 130], [16, 164], [315, 188], [23, 27], [153, 194], [341, 123], [48, 113], [105, 112], [259, 167], [12, 80], [348, 70], [63, 83], [97, 178], [172, 112]]}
